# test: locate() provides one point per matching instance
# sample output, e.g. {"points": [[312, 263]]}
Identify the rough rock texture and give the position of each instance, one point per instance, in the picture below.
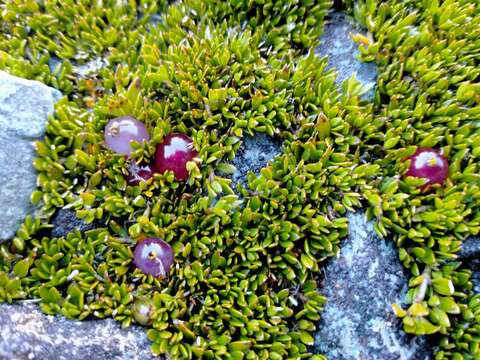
{"points": [[26, 333], [470, 256], [24, 107], [342, 52], [360, 285], [66, 221], [470, 249], [474, 265], [254, 154]]}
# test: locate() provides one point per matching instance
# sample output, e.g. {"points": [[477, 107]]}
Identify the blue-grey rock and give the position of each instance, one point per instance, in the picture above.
{"points": [[83, 69], [26, 333], [65, 221], [470, 257], [343, 52], [360, 286], [254, 154], [24, 108], [474, 265], [470, 249]]}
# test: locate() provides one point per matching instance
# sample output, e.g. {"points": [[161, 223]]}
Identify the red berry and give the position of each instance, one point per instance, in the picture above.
{"points": [[173, 154], [139, 173], [429, 164], [153, 256], [120, 131]]}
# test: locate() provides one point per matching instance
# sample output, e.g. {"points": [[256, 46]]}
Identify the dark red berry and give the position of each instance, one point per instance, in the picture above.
{"points": [[138, 173], [429, 164], [153, 256], [173, 154]]}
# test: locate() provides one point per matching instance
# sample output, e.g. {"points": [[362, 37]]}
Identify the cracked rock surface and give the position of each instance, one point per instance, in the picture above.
{"points": [[361, 284]]}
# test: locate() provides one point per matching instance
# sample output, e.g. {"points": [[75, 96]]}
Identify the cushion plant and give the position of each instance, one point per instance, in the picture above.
{"points": [[247, 260]]}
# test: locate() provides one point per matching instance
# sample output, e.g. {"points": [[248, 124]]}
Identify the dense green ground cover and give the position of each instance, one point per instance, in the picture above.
{"points": [[244, 284]]}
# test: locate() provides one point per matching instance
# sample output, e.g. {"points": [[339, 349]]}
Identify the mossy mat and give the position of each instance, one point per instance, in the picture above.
{"points": [[247, 257]]}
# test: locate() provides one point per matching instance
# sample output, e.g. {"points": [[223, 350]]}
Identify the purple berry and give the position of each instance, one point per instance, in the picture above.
{"points": [[173, 154], [429, 164], [121, 130], [139, 173], [153, 256]]}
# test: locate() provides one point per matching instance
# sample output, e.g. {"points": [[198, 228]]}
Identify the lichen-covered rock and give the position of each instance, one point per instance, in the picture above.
{"points": [[24, 108], [26, 333], [342, 51], [360, 285]]}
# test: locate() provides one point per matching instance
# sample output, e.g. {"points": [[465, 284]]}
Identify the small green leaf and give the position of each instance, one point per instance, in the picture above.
{"points": [[21, 268], [306, 338], [443, 286], [49, 294], [399, 312], [418, 309]]}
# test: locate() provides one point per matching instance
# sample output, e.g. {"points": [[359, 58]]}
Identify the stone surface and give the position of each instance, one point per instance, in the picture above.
{"points": [[26, 333], [342, 51], [360, 285], [474, 265], [66, 221], [470, 249], [82, 70], [470, 256], [253, 155], [24, 107]]}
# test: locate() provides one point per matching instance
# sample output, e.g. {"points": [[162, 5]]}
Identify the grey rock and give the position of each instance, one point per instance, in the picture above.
{"points": [[360, 285], [474, 265], [342, 52], [25, 105], [470, 256], [24, 108], [26, 333], [66, 221], [90, 67], [253, 155], [53, 62], [82, 69], [470, 249]]}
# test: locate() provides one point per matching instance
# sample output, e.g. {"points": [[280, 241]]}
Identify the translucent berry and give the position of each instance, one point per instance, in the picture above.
{"points": [[153, 256], [121, 130], [142, 310], [173, 154], [429, 164]]}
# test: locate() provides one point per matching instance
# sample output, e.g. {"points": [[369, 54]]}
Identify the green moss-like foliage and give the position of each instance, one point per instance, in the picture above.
{"points": [[244, 283]]}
